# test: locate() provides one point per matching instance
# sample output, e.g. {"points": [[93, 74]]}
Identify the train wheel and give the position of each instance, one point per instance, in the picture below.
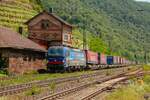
{"points": [[69, 69], [81, 68]]}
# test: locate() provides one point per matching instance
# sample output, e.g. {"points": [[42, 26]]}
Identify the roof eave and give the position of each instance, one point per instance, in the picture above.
{"points": [[58, 18], [21, 48]]}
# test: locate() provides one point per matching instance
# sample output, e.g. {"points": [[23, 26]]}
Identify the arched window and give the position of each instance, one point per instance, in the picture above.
{"points": [[45, 24]]}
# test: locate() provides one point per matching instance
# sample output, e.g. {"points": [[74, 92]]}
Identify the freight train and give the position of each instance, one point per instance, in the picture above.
{"points": [[62, 58]]}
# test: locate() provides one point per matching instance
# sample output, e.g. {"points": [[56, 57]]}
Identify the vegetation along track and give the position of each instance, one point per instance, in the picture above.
{"points": [[83, 86], [14, 89], [109, 84]]}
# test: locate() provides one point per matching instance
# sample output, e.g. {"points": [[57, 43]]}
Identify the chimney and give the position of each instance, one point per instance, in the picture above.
{"points": [[20, 30], [50, 10]]}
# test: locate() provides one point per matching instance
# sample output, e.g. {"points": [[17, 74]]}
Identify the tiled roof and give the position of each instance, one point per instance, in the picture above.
{"points": [[12, 39], [51, 14]]}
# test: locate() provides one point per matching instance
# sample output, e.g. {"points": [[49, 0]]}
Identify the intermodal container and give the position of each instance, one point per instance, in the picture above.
{"points": [[91, 57], [102, 59], [120, 60], [115, 60], [110, 60], [123, 60]]}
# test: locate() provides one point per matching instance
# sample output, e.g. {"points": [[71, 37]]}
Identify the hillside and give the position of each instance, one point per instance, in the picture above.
{"points": [[123, 24], [13, 13]]}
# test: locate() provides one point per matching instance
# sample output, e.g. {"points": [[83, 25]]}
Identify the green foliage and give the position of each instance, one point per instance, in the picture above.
{"points": [[93, 42], [36, 5], [52, 86], [117, 22], [16, 13], [3, 72], [34, 90], [146, 67], [133, 92], [146, 78], [37, 77], [96, 44]]}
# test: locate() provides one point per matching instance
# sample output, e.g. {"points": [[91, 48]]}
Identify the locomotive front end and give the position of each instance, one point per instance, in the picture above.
{"points": [[56, 59]]}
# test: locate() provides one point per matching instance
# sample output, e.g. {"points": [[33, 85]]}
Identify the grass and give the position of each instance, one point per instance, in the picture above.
{"points": [[134, 91], [146, 67], [38, 77], [52, 86], [2, 75], [34, 90], [124, 94], [146, 79]]}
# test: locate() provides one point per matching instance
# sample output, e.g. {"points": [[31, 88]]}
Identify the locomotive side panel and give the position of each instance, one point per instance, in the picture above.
{"points": [[76, 58]]}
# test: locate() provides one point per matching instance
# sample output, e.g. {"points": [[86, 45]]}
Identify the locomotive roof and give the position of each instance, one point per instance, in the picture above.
{"points": [[12, 39]]}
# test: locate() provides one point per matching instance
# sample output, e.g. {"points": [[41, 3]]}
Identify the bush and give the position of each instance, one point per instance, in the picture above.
{"points": [[34, 91], [52, 86], [146, 67], [146, 78], [4, 72], [126, 93]]}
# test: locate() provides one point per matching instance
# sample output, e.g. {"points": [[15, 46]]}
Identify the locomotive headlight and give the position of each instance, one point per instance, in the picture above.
{"points": [[63, 60]]}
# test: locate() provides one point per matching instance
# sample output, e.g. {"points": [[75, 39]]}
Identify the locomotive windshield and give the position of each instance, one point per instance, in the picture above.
{"points": [[55, 52]]}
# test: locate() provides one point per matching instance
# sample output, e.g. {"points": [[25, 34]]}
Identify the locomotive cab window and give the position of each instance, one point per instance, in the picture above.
{"points": [[45, 24]]}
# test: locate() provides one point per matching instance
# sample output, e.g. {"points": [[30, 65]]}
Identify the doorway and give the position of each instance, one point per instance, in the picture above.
{"points": [[3, 62]]}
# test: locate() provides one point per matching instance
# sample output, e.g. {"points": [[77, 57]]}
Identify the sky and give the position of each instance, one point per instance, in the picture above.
{"points": [[143, 0]]}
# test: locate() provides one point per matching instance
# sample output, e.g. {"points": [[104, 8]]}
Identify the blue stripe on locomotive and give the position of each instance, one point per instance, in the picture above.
{"points": [[110, 60], [69, 56]]}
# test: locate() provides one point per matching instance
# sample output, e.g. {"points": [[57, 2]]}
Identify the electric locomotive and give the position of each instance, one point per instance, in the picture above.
{"points": [[65, 59]]}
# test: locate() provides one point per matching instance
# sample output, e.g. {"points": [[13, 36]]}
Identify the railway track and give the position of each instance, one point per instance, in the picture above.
{"points": [[105, 87], [10, 90], [102, 67], [55, 96], [111, 84]]}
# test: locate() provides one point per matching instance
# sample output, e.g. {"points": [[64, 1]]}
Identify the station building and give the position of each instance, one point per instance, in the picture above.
{"points": [[18, 54], [47, 30]]}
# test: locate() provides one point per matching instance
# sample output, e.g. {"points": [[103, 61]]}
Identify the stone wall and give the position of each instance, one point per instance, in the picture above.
{"points": [[24, 61], [19, 65]]}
